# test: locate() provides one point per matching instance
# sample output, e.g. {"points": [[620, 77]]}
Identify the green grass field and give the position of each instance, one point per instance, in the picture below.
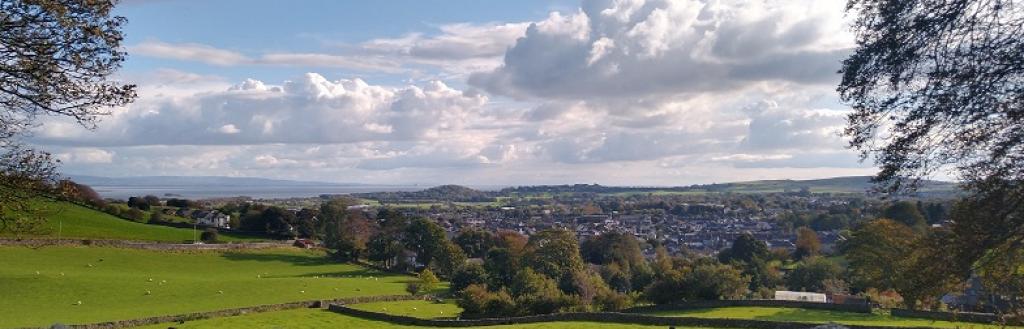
{"points": [[816, 316], [315, 318], [414, 308], [112, 284], [73, 221]]}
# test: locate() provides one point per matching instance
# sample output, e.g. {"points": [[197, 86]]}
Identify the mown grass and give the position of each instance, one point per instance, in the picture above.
{"points": [[67, 220], [817, 316], [414, 308], [120, 284], [315, 318]]}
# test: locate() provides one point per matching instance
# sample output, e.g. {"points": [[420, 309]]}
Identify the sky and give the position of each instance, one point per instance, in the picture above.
{"points": [[617, 92]]}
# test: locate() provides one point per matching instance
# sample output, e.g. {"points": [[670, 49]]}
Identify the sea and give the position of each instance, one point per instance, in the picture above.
{"points": [[256, 192]]}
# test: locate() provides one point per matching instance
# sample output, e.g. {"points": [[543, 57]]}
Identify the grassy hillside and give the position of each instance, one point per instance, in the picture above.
{"points": [[852, 184], [43, 286], [74, 221]]}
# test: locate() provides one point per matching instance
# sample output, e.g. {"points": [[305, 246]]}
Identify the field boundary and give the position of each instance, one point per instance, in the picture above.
{"points": [[145, 245], [855, 308], [604, 317], [985, 318], [239, 311]]}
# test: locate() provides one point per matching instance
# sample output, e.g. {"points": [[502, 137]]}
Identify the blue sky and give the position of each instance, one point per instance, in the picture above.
{"points": [[624, 92]]}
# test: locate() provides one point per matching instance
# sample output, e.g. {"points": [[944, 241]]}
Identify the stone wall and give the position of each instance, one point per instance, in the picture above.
{"points": [[147, 245], [857, 308], [958, 316], [604, 317], [241, 311]]}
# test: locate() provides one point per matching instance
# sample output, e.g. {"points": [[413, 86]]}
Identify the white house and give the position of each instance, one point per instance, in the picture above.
{"points": [[212, 218], [801, 296]]}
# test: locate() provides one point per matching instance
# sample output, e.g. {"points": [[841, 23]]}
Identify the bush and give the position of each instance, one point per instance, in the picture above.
{"points": [[425, 283], [210, 235], [135, 215], [477, 301]]}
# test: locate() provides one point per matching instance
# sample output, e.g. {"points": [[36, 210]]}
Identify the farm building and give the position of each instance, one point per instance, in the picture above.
{"points": [[801, 296]]}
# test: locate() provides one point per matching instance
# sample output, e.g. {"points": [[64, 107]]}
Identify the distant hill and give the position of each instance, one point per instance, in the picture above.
{"points": [[852, 184], [446, 193], [149, 181]]}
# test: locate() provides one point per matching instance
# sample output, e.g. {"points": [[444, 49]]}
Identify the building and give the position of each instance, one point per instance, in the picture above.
{"points": [[797, 296], [212, 218]]}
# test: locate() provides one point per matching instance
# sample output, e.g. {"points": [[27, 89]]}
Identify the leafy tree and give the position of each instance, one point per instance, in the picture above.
{"points": [[905, 212], [613, 248], [425, 238], [713, 281], [475, 242], [447, 259], [812, 274], [539, 294], [876, 251], [468, 274], [554, 253], [512, 241], [935, 85], [744, 249], [56, 59], [807, 243], [501, 265]]}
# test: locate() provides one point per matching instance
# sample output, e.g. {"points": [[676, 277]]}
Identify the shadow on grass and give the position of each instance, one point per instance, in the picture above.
{"points": [[294, 259], [822, 316]]}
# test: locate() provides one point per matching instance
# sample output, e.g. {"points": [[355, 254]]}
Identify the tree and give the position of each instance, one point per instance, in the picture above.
{"points": [[613, 247], [55, 59], [448, 258], [425, 238], [942, 79], [713, 281], [744, 249], [501, 265], [537, 293], [554, 253], [24, 175], [475, 242], [935, 85], [877, 251], [812, 274], [905, 212], [468, 274], [807, 243]]}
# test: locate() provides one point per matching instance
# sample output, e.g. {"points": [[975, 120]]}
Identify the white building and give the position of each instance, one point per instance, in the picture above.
{"points": [[212, 218], [801, 296]]}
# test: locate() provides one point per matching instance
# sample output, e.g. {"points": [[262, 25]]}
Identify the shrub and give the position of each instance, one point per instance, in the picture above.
{"points": [[477, 301], [210, 235], [425, 282]]}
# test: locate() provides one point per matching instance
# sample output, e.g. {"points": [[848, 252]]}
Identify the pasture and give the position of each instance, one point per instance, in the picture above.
{"points": [[44, 286]]}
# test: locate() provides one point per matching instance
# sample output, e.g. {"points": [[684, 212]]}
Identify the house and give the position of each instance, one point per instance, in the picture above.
{"points": [[212, 218]]}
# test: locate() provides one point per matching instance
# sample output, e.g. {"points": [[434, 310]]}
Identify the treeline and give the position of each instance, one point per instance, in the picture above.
{"points": [[443, 193]]}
